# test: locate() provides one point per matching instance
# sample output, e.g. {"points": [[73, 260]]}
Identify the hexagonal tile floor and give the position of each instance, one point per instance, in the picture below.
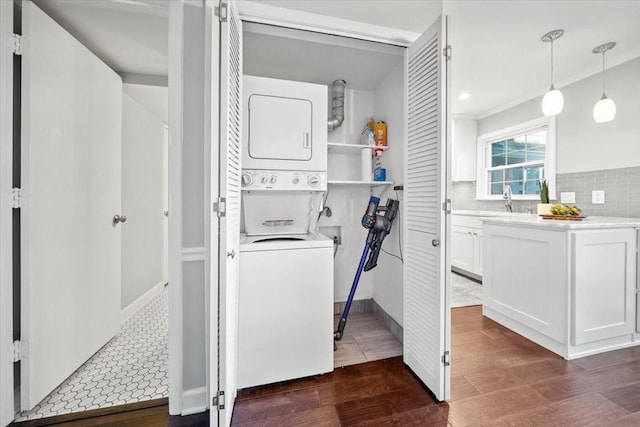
{"points": [[132, 367]]}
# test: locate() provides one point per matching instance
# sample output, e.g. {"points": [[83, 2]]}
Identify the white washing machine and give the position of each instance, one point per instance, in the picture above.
{"points": [[285, 318], [285, 301]]}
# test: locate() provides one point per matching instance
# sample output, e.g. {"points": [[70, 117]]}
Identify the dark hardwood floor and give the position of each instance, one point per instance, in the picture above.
{"points": [[498, 379]]}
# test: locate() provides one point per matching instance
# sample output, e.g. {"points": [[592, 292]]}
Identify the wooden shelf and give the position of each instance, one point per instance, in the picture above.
{"points": [[341, 148], [361, 183]]}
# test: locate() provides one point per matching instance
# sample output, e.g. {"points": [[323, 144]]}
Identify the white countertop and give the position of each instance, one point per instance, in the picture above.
{"points": [[592, 222], [491, 213]]}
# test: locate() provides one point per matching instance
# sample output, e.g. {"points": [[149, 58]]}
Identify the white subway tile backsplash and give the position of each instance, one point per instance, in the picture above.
{"points": [[621, 186]]}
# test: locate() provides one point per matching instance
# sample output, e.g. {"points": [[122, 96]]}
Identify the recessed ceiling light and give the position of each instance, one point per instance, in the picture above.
{"points": [[464, 96]]}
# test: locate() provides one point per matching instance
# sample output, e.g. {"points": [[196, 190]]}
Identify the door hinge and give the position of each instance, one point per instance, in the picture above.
{"points": [[16, 198], [446, 359], [217, 401], [20, 350], [221, 12], [220, 206], [446, 206], [446, 52], [16, 44]]}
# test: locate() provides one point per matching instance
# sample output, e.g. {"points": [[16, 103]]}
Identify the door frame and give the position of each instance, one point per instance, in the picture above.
{"points": [[6, 213]]}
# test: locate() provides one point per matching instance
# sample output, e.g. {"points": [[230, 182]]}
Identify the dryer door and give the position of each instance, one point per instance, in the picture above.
{"points": [[279, 128]]}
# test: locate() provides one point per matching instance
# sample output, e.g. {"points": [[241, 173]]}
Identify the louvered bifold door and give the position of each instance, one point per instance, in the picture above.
{"points": [[229, 145], [425, 311]]}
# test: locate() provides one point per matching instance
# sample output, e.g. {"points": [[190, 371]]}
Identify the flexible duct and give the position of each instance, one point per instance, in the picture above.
{"points": [[337, 104]]}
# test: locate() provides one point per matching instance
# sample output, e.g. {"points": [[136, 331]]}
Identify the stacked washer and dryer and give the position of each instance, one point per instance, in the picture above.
{"points": [[285, 313]]}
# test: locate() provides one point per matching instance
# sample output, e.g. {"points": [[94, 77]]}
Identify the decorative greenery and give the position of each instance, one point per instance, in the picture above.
{"points": [[544, 191]]}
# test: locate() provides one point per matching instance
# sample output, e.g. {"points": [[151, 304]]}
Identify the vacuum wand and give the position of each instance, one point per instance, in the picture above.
{"points": [[378, 220]]}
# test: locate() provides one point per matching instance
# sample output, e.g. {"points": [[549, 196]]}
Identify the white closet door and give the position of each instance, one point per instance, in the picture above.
{"points": [[229, 189], [71, 180], [426, 311], [6, 213]]}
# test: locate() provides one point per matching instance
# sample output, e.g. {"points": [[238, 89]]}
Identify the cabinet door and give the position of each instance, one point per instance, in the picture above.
{"points": [[604, 275], [462, 248]]}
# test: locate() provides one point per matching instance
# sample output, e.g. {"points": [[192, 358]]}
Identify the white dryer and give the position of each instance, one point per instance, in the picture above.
{"points": [[284, 125]]}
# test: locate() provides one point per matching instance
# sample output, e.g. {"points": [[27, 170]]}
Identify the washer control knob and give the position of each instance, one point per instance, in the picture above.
{"points": [[295, 180], [247, 179], [273, 179], [264, 179], [313, 180]]}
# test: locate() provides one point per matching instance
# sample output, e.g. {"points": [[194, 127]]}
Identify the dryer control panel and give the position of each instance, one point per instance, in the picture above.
{"points": [[257, 179]]}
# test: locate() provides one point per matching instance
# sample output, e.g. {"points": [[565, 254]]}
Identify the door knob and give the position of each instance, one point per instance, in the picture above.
{"points": [[119, 218], [435, 242], [232, 254]]}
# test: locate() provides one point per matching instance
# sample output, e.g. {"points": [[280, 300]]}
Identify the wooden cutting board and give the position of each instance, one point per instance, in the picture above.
{"points": [[564, 217]]}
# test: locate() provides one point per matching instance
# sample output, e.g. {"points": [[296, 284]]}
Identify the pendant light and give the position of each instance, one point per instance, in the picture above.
{"points": [[553, 100], [605, 108]]}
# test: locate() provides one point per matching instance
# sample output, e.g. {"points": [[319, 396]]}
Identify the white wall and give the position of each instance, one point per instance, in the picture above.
{"points": [[389, 106], [582, 144], [348, 203], [142, 203], [193, 203]]}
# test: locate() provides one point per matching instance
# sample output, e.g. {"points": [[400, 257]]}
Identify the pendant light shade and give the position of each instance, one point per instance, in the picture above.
{"points": [[553, 101], [605, 108]]}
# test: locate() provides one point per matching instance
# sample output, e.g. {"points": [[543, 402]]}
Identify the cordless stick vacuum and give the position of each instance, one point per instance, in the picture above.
{"points": [[379, 226]]}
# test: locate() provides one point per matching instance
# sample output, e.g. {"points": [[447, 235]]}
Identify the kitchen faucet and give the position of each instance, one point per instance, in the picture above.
{"points": [[507, 198]]}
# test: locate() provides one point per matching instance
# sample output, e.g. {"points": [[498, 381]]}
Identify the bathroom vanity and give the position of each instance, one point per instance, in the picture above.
{"points": [[570, 286]]}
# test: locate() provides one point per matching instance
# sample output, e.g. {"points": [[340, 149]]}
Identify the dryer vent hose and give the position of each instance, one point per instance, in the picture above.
{"points": [[337, 104]]}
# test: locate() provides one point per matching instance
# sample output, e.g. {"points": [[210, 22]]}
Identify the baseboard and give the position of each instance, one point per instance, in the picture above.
{"points": [[140, 302], [357, 306], [387, 321], [194, 401]]}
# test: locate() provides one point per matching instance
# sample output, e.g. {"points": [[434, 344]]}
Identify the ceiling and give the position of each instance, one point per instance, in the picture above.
{"points": [[282, 53], [497, 53]]}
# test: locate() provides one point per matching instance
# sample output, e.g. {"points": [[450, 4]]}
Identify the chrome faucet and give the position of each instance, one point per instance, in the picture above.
{"points": [[507, 198]]}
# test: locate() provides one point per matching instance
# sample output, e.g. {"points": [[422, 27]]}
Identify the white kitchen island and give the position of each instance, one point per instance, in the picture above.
{"points": [[570, 286]]}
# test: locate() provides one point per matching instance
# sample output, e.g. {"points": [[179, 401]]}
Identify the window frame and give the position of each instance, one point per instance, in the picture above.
{"points": [[483, 156]]}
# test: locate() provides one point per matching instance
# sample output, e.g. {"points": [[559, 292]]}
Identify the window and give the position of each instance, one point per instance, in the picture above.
{"points": [[520, 157]]}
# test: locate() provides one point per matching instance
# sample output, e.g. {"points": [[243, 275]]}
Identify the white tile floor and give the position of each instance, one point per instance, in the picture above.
{"points": [[132, 367], [464, 291], [364, 340]]}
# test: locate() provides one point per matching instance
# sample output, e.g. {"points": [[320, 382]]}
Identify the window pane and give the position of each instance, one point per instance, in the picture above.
{"points": [[498, 160], [497, 153], [496, 176], [535, 155], [497, 148], [537, 138], [496, 188], [531, 187], [513, 174], [534, 173], [515, 151], [516, 186]]}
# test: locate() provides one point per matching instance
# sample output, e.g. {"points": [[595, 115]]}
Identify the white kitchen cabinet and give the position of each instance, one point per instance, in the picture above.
{"points": [[570, 287], [463, 160], [604, 272], [466, 245]]}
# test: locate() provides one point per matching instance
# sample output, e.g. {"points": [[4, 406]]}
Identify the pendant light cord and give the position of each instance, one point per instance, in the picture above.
{"points": [[603, 91], [552, 62]]}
